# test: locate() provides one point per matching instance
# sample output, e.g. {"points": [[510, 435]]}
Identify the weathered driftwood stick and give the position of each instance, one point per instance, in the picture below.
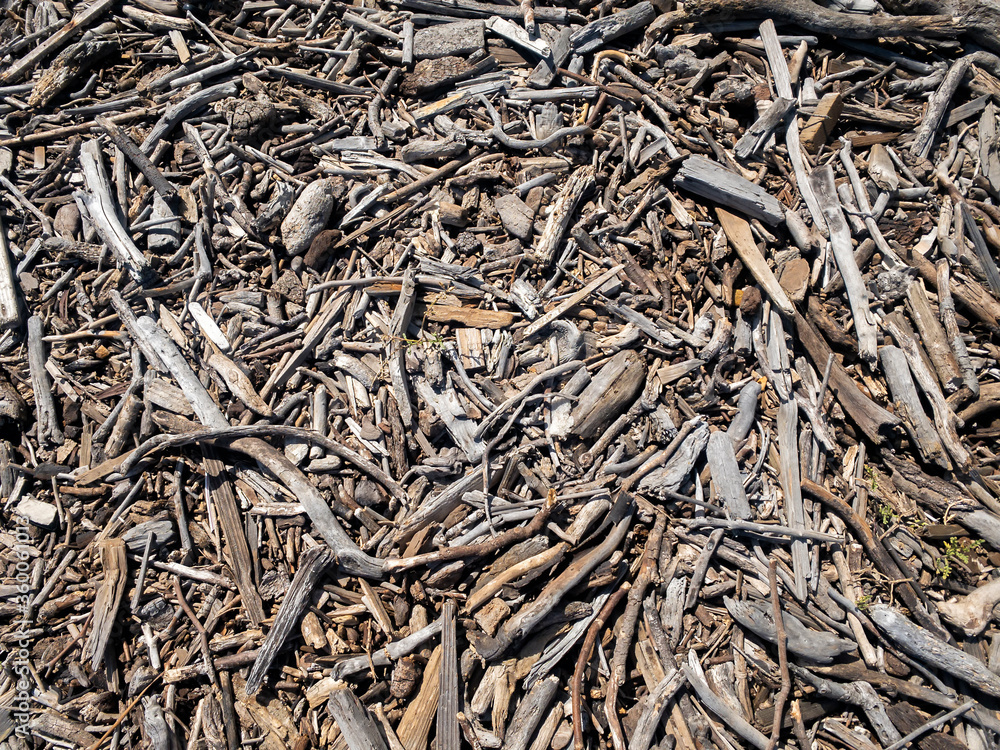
{"points": [[596, 33], [174, 114], [99, 203], [843, 252], [823, 20], [873, 420], [312, 565], [128, 147], [757, 617], [969, 293], [733, 720], [857, 693], [385, 656], [937, 108], [10, 307], [529, 616], [933, 336], [738, 233], [923, 646], [946, 308], [715, 183], [627, 625], [397, 351], [541, 561], [654, 706], [770, 530], [788, 441], [521, 732], [157, 346], [761, 131], [449, 701], [109, 597], [493, 544], [585, 653], [973, 612], [562, 213], [876, 552], [782, 639], [41, 385], [571, 301], [357, 728], [907, 402], [783, 87], [945, 419]]}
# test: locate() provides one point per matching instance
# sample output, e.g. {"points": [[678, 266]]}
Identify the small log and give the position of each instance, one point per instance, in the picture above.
{"points": [[715, 183], [726, 476], [925, 647], [562, 213]]}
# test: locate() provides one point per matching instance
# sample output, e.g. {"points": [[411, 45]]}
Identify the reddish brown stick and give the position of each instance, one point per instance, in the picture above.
{"points": [[786, 680], [581, 662]]}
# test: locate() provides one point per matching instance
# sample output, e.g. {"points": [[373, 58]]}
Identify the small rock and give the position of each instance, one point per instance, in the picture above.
{"points": [[428, 75], [308, 216], [515, 216], [162, 530], [289, 287], [750, 301], [38, 513], [459, 38], [795, 279], [67, 221]]}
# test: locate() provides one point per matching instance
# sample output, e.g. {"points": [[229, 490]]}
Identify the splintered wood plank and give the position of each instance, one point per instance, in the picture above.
{"points": [[312, 566], [357, 726], [470, 348], [109, 597], [415, 726], [467, 316], [235, 548], [726, 475], [740, 237], [447, 737]]}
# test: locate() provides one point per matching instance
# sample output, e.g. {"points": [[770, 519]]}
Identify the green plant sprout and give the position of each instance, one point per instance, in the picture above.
{"points": [[956, 551]]}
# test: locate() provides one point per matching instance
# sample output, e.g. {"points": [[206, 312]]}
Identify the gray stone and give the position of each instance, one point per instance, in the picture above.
{"points": [[308, 216], [459, 38], [38, 513], [515, 216]]}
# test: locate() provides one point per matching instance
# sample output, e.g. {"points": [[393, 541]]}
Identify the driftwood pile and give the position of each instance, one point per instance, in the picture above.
{"points": [[422, 373]]}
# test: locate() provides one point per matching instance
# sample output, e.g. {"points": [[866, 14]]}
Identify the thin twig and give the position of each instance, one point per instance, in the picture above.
{"points": [[581, 663], [786, 680]]}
